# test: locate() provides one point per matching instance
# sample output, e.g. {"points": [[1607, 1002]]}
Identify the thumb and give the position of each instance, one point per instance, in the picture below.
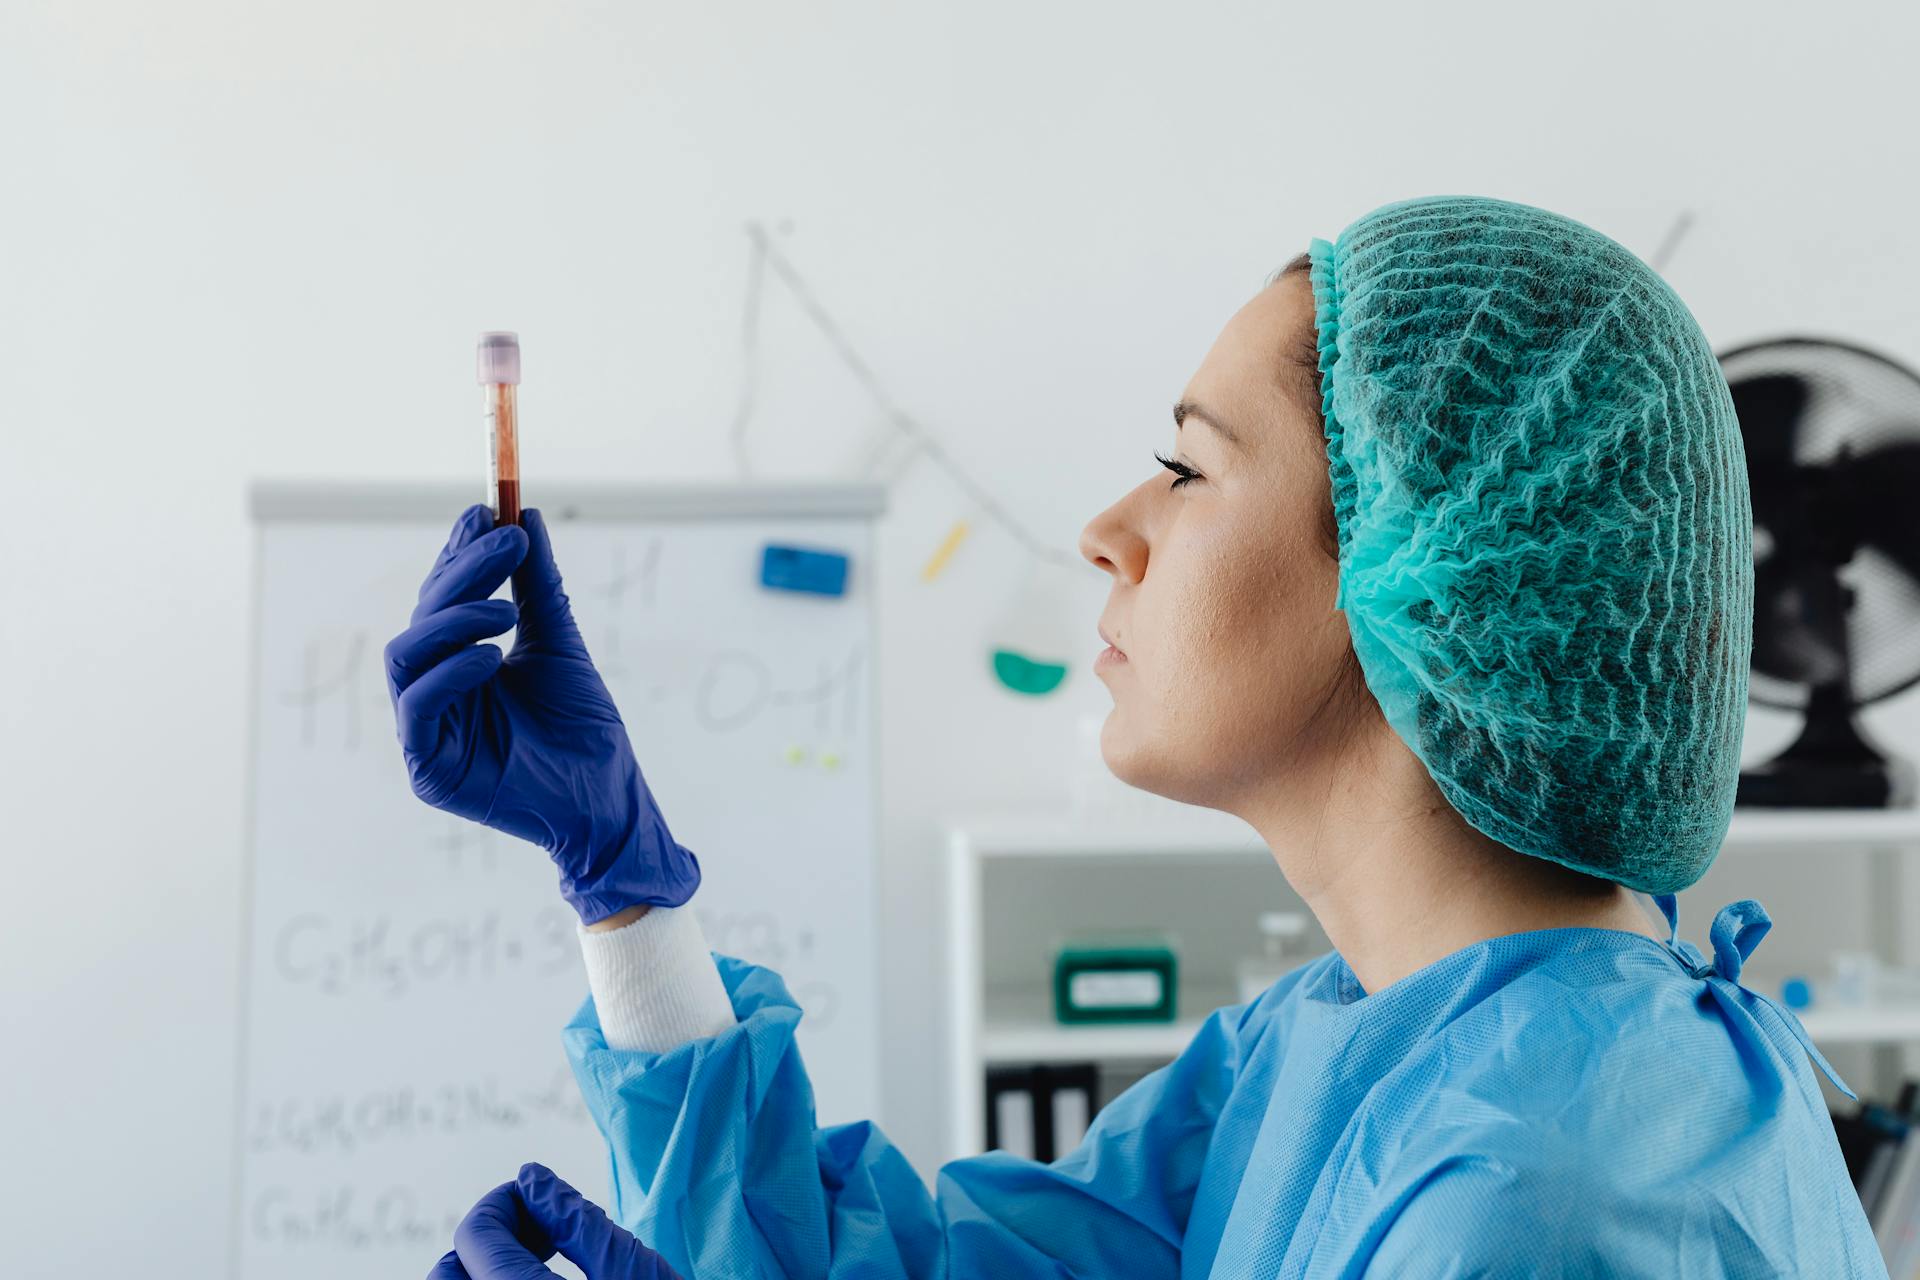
{"points": [[546, 615]]}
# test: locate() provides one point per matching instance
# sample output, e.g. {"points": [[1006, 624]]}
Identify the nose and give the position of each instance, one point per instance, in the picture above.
{"points": [[1113, 541]]}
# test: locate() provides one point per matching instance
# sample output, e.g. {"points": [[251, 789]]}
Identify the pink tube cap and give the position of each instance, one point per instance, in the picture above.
{"points": [[498, 356]]}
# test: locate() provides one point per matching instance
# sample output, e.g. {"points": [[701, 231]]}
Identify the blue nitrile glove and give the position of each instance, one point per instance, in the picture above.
{"points": [[518, 1225], [530, 744]]}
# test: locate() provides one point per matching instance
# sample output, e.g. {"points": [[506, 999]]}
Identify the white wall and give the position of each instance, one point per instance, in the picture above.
{"points": [[247, 240]]}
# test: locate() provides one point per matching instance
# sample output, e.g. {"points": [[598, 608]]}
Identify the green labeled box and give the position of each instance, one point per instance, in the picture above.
{"points": [[1129, 977]]}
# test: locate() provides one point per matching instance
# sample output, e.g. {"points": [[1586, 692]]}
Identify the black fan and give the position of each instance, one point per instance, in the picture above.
{"points": [[1832, 437]]}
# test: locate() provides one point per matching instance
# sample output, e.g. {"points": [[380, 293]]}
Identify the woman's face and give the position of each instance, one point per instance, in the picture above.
{"points": [[1222, 602]]}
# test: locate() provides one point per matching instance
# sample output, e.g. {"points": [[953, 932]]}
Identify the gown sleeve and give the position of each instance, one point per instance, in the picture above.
{"points": [[717, 1163]]}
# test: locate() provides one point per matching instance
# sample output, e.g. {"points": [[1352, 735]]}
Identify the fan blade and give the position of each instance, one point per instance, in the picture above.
{"points": [[1792, 633], [1882, 486], [1770, 407]]}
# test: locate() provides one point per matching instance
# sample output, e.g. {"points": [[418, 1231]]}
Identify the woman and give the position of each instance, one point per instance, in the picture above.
{"points": [[1450, 598]]}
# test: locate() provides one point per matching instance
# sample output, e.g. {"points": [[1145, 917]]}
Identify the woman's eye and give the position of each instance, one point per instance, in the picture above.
{"points": [[1180, 470]]}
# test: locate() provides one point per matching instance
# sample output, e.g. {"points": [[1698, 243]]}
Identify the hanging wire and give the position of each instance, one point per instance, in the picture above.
{"points": [[923, 441], [750, 351], [1659, 260]]}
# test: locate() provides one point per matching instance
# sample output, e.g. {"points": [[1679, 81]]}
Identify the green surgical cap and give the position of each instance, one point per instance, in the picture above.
{"points": [[1545, 532]]}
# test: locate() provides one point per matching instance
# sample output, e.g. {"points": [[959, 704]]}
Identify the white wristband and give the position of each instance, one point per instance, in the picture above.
{"points": [[654, 982]]}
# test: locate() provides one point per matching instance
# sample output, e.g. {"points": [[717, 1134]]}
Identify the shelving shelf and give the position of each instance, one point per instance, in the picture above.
{"points": [[1863, 1024], [1019, 1027], [1006, 1024], [1049, 1042], [1824, 828], [1029, 1033], [1209, 832]]}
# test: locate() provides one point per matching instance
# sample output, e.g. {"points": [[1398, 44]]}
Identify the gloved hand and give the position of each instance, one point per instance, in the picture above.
{"points": [[530, 744], [518, 1225]]}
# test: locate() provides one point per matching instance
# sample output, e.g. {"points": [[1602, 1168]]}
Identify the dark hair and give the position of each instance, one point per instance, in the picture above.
{"points": [[1299, 262]]}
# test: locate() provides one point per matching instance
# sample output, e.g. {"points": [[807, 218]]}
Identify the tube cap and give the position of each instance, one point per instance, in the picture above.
{"points": [[498, 356]]}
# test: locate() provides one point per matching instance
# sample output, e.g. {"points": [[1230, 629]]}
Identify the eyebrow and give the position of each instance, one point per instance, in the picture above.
{"points": [[1188, 409]]}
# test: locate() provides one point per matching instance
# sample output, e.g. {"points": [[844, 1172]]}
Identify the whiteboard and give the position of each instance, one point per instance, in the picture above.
{"points": [[407, 974]]}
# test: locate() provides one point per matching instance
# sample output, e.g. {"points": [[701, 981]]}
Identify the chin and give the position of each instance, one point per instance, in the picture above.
{"points": [[1147, 765]]}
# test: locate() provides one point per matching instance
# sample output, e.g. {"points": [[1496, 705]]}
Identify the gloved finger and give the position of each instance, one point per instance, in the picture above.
{"points": [[448, 1268], [498, 1241], [581, 1230], [467, 526], [459, 563], [475, 571], [414, 651], [426, 700], [546, 615]]}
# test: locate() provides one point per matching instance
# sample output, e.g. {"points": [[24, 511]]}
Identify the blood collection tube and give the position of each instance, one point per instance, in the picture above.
{"points": [[498, 359]]}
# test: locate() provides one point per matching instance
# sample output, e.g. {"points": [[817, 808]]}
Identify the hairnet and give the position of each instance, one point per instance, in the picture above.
{"points": [[1544, 526]]}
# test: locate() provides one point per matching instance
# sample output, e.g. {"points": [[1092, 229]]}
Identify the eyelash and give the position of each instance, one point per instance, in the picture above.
{"points": [[1180, 469]]}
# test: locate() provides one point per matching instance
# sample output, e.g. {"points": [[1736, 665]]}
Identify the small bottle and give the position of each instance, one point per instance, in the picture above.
{"points": [[1853, 981], [1283, 949], [498, 358], [1860, 980]]}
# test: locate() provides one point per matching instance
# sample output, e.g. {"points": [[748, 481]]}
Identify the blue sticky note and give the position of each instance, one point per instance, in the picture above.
{"points": [[800, 569]]}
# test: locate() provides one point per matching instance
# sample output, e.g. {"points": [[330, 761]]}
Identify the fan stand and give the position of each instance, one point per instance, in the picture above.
{"points": [[1831, 765]]}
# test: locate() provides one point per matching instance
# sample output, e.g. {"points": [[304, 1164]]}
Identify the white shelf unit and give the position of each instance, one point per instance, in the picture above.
{"points": [[996, 1023]]}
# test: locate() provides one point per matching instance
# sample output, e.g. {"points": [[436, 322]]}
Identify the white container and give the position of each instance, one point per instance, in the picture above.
{"points": [[1284, 947]]}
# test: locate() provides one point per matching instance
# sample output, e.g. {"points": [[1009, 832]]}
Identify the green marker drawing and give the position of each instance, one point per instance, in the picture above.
{"points": [[1032, 640], [1025, 675]]}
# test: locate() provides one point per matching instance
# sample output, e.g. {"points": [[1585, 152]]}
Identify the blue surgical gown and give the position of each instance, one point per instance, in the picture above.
{"points": [[1564, 1102]]}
